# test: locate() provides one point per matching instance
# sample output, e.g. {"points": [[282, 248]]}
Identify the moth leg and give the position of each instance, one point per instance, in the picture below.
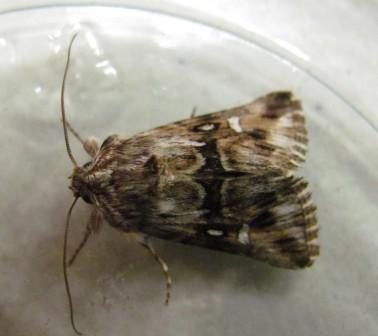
{"points": [[143, 240], [90, 144], [194, 112], [93, 226]]}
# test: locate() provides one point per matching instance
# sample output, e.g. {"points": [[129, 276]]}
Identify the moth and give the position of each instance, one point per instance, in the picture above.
{"points": [[223, 181]]}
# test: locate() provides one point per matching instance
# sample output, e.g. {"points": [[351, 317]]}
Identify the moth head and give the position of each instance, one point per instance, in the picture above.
{"points": [[80, 184]]}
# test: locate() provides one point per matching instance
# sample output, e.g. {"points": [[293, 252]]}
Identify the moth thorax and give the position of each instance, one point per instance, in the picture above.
{"points": [[80, 184]]}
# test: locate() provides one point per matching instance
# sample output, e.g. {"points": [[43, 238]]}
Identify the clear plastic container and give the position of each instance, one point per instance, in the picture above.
{"points": [[133, 69]]}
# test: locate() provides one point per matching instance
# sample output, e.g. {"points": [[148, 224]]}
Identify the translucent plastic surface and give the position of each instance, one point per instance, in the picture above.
{"points": [[132, 70]]}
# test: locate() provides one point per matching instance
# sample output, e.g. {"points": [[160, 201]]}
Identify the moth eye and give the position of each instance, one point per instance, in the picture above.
{"points": [[86, 199]]}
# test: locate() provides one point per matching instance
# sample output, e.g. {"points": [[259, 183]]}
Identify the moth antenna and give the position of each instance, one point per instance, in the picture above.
{"points": [[163, 265], [67, 285], [69, 152]]}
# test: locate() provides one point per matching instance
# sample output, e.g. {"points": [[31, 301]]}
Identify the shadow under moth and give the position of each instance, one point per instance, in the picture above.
{"points": [[222, 181]]}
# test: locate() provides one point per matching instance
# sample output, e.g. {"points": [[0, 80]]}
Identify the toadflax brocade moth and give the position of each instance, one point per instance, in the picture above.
{"points": [[222, 181]]}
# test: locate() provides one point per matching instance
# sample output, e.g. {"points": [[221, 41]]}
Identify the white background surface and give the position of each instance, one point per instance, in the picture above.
{"points": [[339, 38], [117, 287]]}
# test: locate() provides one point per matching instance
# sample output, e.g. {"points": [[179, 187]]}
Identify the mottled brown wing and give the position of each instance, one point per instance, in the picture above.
{"points": [[221, 181], [269, 218], [265, 136]]}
